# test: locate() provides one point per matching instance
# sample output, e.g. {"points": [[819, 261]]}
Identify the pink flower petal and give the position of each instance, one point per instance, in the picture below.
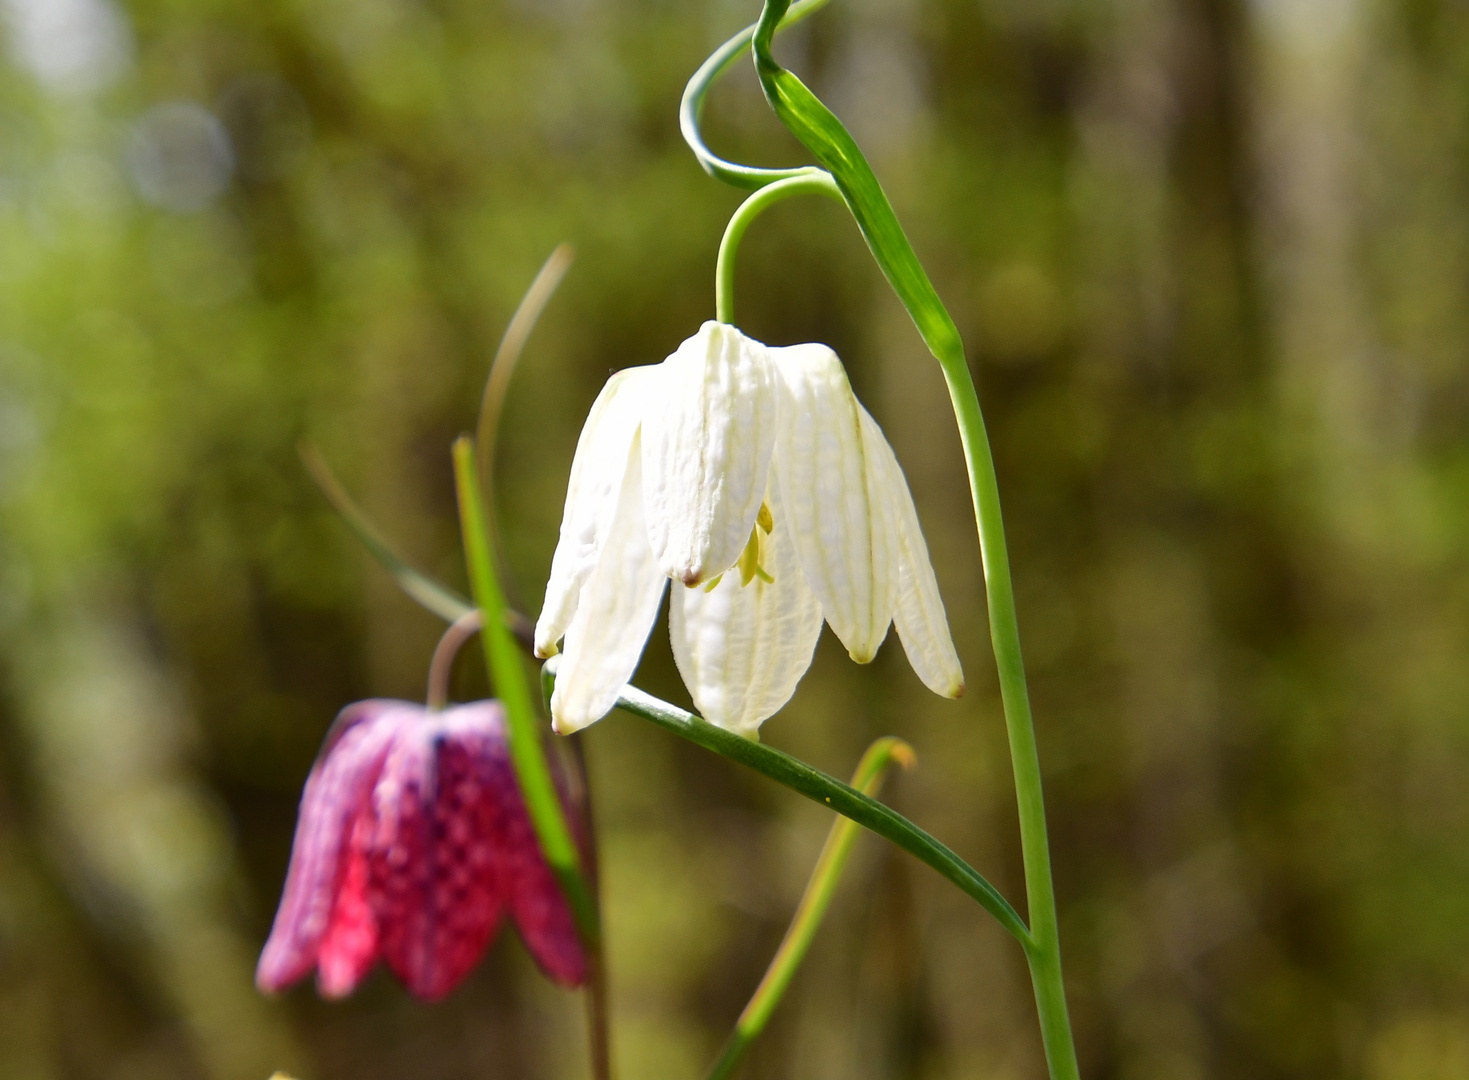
{"points": [[412, 842], [538, 906], [439, 897], [350, 946], [336, 793]]}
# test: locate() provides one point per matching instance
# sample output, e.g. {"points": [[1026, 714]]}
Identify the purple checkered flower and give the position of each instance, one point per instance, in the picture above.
{"points": [[412, 845]]}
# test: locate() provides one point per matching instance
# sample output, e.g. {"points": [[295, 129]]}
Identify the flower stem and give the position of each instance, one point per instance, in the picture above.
{"points": [[527, 754], [598, 1023], [822, 133], [807, 181], [812, 908], [1044, 951], [442, 664]]}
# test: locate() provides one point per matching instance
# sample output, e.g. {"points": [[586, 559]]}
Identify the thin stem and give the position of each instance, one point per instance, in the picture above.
{"points": [[822, 133], [806, 181], [504, 659], [1044, 954], [692, 105], [442, 664], [527, 754], [820, 788], [812, 908], [599, 1030], [598, 1024]]}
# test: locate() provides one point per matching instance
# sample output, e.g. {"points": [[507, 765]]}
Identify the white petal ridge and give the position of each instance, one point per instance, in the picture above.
{"points": [[742, 649], [923, 626], [614, 614], [842, 543], [708, 433], [597, 473]]}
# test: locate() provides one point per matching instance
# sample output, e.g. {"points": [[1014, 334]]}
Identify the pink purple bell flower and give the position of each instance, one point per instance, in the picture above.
{"points": [[412, 846]]}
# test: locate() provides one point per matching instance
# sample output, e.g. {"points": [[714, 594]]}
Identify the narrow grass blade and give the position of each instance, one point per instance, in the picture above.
{"points": [[492, 403], [440, 599], [505, 661], [812, 908]]}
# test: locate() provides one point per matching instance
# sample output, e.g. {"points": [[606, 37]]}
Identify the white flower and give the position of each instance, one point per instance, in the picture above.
{"points": [[754, 479]]}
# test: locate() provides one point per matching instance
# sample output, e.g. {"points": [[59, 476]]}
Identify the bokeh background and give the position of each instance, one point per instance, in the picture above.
{"points": [[1211, 261]]}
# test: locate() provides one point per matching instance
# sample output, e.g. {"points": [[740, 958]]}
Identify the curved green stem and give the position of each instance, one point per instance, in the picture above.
{"points": [[692, 105], [823, 134], [807, 181], [812, 908], [820, 788]]}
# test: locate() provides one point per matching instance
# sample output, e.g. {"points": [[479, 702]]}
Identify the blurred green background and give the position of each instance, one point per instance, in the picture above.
{"points": [[1211, 260]]}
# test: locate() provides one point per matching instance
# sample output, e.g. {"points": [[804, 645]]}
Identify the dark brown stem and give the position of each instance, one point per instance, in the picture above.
{"points": [[598, 1027], [442, 665]]}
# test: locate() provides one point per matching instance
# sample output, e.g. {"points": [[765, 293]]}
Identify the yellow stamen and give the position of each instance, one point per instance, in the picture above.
{"points": [[752, 559]]}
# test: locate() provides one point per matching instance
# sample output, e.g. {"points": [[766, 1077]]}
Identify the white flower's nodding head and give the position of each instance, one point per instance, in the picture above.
{"points": [[708, 434], [755, 479]]}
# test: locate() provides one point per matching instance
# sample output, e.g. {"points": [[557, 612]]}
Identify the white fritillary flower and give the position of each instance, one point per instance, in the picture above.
{"points": [[754, 479]]}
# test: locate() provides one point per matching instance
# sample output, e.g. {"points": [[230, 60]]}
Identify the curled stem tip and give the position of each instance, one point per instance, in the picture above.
{"points": [[692, 106]]}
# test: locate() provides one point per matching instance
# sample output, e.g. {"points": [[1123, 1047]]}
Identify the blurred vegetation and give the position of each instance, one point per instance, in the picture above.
{"points": [[1211, 261]]}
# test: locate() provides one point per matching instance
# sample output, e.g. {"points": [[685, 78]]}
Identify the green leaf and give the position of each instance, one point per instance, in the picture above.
{"points": [[821, 788], [506, 664]]}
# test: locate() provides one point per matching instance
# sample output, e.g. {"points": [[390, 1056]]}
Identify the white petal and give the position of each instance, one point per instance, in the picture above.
{"points": [[597, 473], [614, 615], [707, 439], [742, 649], [919, 616], [825, 483]]}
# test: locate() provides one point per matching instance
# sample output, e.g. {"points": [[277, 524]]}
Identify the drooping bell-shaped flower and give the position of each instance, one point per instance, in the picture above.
{"points": [[412, 845], [753, 478]]}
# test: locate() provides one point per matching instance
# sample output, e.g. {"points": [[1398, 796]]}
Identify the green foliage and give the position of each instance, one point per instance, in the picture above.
{"points": [[1208, 262]]}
